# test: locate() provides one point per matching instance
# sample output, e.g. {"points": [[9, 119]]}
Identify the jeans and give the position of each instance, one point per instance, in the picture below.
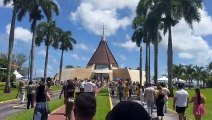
{"points": [[30, 101], [121, 96], [150, 106], [41, 112]]}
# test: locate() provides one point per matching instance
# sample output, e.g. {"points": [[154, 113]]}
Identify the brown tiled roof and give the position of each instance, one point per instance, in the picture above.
{"points": [[103, 55]]}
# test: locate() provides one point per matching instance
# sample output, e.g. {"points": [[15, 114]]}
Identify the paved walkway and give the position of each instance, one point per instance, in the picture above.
{"points": [[168, 116], [7, 109], [59, 113]]}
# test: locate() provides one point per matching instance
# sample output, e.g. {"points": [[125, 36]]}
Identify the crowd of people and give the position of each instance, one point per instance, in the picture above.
{"points": [[79, 98], [157, 97]]}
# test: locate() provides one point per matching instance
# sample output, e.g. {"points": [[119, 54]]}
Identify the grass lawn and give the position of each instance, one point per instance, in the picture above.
{"points": [[12, 95], [103, 104], [28, 114], [208, 103]]}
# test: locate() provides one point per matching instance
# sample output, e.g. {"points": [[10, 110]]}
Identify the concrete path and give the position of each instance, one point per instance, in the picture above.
{"points": [[7, 109], [59, 113], [168, 116]]}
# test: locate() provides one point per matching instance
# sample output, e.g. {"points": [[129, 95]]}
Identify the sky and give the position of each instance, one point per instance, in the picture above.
{"points": [[85, 19]]}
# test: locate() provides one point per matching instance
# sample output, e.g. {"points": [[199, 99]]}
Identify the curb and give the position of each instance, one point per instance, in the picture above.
{"points": [[110, 100], [56, 109], [176, 113], [111, 105], [7, 101]]}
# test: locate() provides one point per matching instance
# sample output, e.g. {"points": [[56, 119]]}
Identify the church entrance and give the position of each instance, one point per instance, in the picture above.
{"points": [[101, 76]]}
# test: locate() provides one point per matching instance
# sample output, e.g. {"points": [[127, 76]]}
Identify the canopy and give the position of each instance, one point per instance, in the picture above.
{"points": [[163, 78], [18, 75]]}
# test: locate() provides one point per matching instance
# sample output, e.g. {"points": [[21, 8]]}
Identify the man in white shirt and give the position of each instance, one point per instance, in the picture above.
{"points": [[149, 96], [89, 87], [180, 102]]}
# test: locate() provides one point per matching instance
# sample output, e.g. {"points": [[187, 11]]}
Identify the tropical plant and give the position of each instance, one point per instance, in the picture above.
{"points": [[190, 73], [69, 66], [46, 32], [170, 12], [209, 67], [178, 71], [66, 43], [35, 8], [198, 73], [18, 10]]}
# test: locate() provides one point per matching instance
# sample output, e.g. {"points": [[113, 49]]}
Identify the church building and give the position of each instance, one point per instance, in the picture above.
{"points": [[102, 65]]}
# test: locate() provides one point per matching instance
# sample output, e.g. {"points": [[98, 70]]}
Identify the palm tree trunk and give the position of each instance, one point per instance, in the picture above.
{"points": [[141, 81], [156, 59], [46, 62], [33, 48], [61, 64], [170, 61], [10, 50], [146, 65]]}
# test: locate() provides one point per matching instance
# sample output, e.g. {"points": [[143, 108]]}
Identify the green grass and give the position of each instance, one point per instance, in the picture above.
{"points": [[208, 105], [7, 96], [56, 88], [28, 114], [103, 104], [12, 95]]}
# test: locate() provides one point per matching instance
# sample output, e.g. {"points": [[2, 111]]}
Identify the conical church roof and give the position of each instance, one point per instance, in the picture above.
{"points": [[103, 55]]}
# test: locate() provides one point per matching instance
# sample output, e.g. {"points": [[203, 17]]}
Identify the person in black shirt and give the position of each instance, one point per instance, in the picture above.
{"points": [[41, 109], [69, 98]]}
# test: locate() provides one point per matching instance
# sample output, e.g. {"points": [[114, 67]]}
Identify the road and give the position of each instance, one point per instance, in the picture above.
{"points": [[8, 109]]}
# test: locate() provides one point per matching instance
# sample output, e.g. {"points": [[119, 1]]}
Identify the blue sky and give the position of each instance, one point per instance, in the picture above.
{"points": [[85, 19]]}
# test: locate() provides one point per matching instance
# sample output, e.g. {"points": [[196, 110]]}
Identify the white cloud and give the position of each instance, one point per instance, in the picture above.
{"points": [[186, 55], [21, 33], [6, 6], [81, 46], [123, 57], [77, 57], [92, 14], [189, 44], [42, 52], [204, 26], [128, 44]]}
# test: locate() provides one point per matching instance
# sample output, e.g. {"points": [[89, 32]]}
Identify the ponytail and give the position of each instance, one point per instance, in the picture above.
{"points": [[199, 100]]}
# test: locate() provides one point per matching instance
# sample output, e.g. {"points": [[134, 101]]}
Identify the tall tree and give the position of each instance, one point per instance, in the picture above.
{"points": [[209, 67], [170, 12], [18, 9], [190, 73], [178, 71], [198, 73], [47, 33], [19, 60], [35, 8], [66, 43]]}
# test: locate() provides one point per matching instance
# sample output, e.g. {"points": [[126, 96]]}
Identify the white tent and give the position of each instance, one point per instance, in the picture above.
{"points": [[163, 78], [18, 75]]}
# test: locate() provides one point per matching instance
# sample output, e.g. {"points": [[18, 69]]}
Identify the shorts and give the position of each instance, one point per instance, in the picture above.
{"points": [[180, 109]]}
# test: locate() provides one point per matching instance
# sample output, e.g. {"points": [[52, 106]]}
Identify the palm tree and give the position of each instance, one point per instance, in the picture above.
{"points": [[66, 43], [35, 8], [170, 12], [140, 34], [198, 73], [189, 72], [178, 71], [204, 76], [18, 10], [46, 32], [209, 67]]}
